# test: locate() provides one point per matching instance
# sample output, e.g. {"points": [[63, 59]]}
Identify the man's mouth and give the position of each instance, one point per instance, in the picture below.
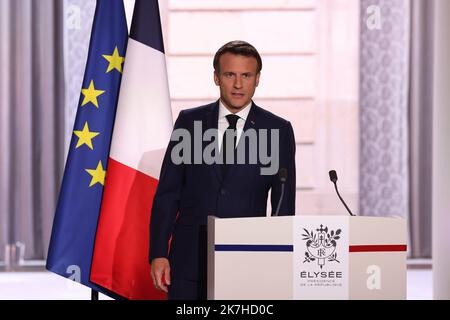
{"points": [[237, 95]]}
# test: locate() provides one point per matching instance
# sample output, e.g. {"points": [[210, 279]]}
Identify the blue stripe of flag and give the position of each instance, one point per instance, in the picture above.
{"points": [[146, 17]]}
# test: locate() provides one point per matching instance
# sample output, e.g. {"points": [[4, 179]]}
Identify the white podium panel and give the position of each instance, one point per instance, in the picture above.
{"points": [[307, 257]]}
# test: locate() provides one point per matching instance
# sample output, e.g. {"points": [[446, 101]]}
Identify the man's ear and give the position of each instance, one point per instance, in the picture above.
{"points": [[216, 79], [257, 79]]}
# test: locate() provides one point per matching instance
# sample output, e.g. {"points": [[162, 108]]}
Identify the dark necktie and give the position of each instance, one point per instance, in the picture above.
{"points": [[231, 130]]}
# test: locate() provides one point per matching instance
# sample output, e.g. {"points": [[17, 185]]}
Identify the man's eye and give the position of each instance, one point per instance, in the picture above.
{"points": [[228, 75]]}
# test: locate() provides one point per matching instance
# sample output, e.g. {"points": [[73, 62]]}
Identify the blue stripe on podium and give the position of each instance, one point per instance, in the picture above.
{"points": [[254, 247]]}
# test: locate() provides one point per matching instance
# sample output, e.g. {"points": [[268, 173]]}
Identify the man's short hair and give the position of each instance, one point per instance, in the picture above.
{"points": [[240, 48]]}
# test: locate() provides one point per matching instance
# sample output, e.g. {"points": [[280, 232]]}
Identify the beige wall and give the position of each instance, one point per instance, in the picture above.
{"points": [[310, 77]]}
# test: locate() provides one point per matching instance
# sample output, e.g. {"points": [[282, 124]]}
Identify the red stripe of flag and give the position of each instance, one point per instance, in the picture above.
{"points": [[378, 248], [122, 242]]}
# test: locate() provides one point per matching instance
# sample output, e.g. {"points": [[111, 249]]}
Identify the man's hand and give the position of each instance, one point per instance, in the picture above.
{"points": [[160, 269]]}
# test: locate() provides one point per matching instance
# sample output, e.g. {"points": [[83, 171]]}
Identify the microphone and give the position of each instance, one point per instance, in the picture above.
{"points": [[333, 178], [282, 175]]}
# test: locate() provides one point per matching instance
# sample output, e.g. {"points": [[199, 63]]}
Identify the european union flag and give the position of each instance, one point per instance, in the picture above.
{"points": [[77, 212]]}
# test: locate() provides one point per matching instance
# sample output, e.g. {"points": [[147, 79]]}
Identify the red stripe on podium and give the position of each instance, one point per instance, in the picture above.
{"points": [[378, 248]]}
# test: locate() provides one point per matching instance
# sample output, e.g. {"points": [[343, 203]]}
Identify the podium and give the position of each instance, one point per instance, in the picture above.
{"points": [[307, 257]]}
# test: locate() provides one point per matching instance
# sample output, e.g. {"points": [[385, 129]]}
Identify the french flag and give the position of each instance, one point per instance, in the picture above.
{"points": [[142, 129]]}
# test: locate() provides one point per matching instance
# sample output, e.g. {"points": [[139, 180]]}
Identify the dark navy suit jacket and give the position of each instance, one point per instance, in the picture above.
{"points": [[188, 193]]}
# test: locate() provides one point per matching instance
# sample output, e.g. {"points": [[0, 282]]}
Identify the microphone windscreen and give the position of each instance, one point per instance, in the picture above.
{"points": [[333, 176], [282, 173]]}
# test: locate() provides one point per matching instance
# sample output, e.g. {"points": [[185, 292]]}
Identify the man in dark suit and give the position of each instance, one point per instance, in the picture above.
{"points": [[189, 190]]}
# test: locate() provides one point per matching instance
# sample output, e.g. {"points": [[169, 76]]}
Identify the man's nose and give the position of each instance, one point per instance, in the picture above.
{"points": [[238, 82]]}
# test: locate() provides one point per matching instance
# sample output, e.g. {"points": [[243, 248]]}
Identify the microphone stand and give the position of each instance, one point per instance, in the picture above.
{"points": [[342, 200], [282, 175], [281, 199], [333, 178]]}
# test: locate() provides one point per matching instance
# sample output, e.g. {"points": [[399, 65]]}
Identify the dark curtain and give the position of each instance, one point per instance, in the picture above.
{"points": [[420, 128], [31, 121], [396, 93]]}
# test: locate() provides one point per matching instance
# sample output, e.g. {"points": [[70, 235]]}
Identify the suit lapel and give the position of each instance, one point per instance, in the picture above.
{"points": [[251, 119], [211, 122]]}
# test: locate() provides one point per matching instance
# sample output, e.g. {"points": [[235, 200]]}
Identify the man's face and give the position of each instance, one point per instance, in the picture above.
{"points": [[237, 79]]}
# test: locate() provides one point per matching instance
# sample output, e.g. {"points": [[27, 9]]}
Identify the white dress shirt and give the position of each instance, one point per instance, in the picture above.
{"points": [[223, 122]]}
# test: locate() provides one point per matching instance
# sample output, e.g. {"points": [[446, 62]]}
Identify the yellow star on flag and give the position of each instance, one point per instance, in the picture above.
{"points": [[98, 175], [115, 61], [91, 94], [85, 136]]}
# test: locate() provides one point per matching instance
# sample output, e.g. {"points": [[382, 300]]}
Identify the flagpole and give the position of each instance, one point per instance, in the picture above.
{"points": [[94, 294]]}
